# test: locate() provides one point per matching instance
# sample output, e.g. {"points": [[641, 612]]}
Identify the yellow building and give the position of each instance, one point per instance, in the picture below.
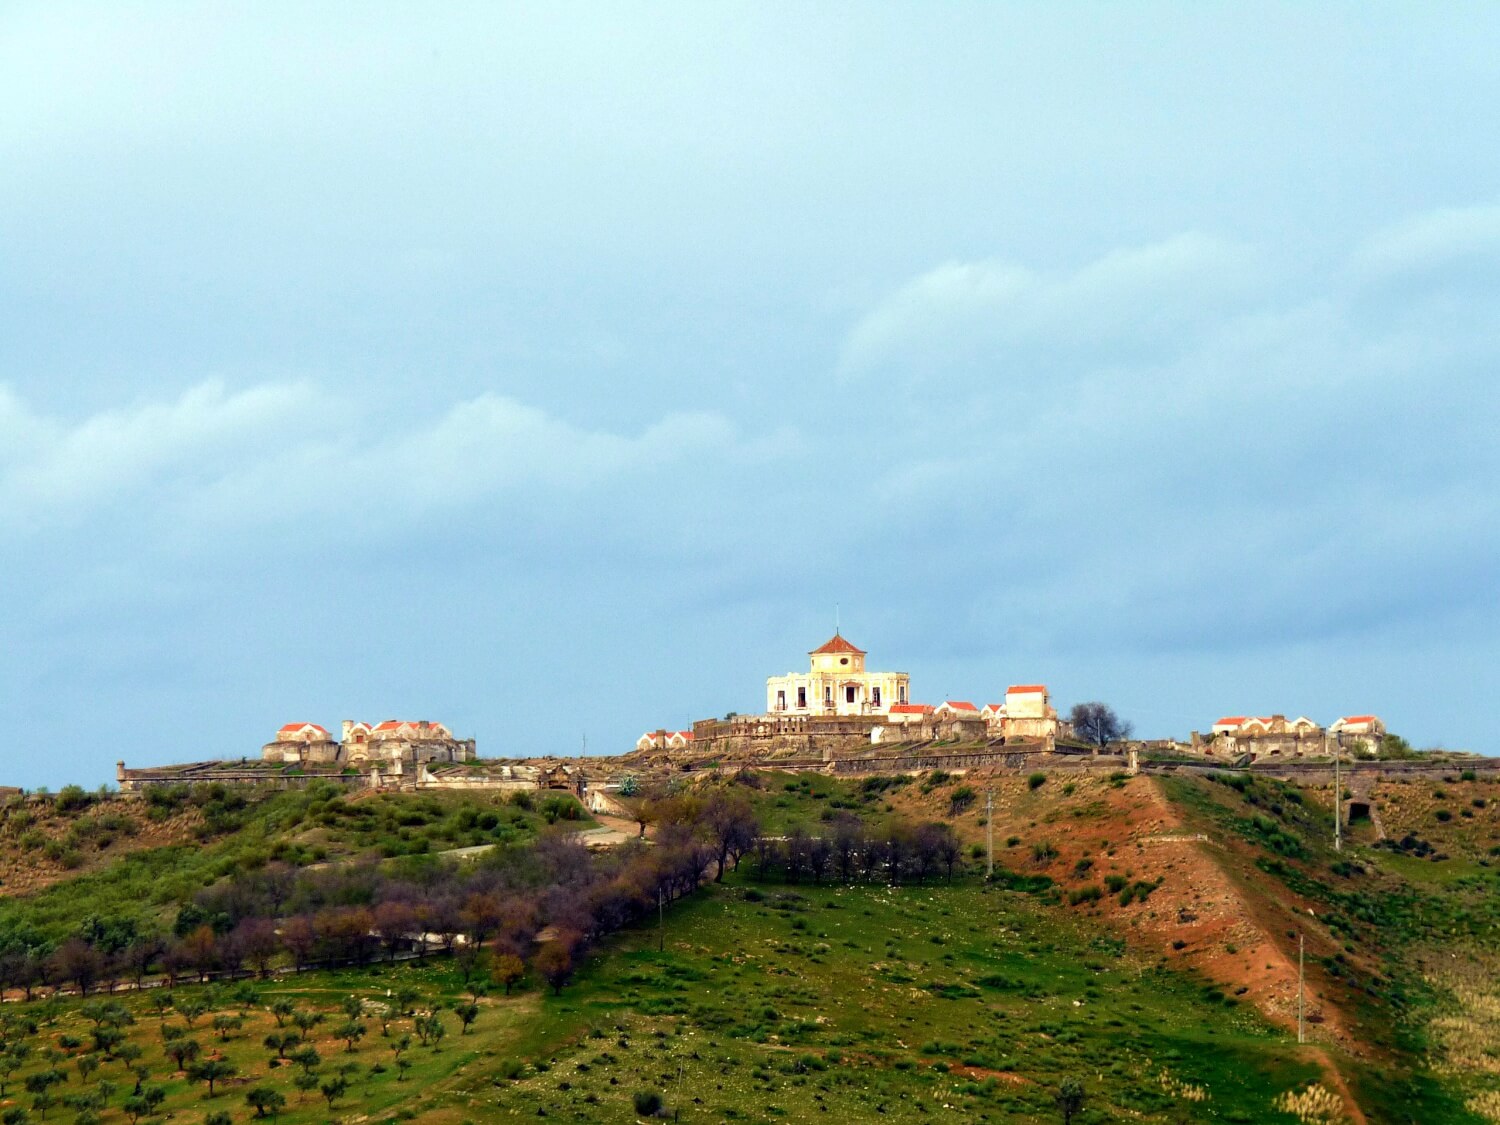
{"points": [[836, 684]]}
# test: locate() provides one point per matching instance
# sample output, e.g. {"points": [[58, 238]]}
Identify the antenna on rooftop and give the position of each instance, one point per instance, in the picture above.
{"points": [[835, 619]]}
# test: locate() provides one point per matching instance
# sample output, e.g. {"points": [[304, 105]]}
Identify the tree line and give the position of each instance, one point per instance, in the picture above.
{"points": [[278, 917]]}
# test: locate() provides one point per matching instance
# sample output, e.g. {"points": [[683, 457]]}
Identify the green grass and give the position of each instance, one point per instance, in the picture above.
{"points": [[827, 999], [774, 1003], [319, 824], [817, 1003]]}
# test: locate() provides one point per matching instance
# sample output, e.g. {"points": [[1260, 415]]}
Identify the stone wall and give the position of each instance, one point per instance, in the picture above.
{"points": [[764, 735]]}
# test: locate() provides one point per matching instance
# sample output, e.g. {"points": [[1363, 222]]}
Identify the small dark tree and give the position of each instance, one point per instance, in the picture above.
{"points": [[183, 1052], [506, 970], [210, 1071], [162, 1001], [467, 1014], [79, 962], [351, 1032], [554, 964], [264, 1100], [1097, 723], [1070, 1099], [334, 1089]]}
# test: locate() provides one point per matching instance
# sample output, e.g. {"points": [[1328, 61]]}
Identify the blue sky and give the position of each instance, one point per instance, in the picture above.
{"points": [[556, 369]]}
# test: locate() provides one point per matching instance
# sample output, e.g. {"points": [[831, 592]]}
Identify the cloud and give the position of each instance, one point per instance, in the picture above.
{"points": [[54, 471], [990, 310], [1453, 243], [1276, 468], [278, 451]]}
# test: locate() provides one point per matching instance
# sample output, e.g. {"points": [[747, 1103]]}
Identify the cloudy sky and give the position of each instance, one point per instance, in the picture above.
{"points": [[556, 370]]}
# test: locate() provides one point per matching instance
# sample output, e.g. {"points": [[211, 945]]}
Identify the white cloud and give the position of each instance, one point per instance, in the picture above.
{"points": [[58, 471], [1445, 240], [961, 311], [276, 451]]}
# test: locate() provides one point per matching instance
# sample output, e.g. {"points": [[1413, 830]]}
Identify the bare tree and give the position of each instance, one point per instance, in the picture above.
{"points": [[1097, 723]]}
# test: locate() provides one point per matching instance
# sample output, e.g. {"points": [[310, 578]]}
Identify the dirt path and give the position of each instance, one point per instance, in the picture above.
{"points": [[1335, 1081]]}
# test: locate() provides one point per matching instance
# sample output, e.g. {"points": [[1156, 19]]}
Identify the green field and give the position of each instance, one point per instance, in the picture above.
{"points": [[768, 1004], [774, 1001]]}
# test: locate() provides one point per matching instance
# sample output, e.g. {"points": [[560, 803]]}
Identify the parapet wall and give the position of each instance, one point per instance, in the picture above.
{"points": [[770, 735]]}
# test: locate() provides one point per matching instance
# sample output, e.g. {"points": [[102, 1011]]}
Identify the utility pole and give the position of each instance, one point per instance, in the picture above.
{"points": [[989, 831], [1338, 798], [1301, 941]]}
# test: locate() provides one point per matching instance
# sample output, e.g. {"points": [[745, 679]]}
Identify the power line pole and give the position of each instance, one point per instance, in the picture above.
{"points": [[1301, 942], [1338, 800], [989, 831]]}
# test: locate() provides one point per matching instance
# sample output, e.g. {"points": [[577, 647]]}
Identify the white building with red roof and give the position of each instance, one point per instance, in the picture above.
{"points": [[1026, 713], [836, 683], [395, 740], [1364, 731], [1266, 735], [909, 713], [302, 732], [301, 742]]}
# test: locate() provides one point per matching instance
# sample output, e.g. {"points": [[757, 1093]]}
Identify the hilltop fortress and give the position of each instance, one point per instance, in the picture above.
{"points": [[838, 716], [392, 741], [839, 705]]}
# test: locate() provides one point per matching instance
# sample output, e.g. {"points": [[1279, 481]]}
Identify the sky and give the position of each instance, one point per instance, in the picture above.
{"points": [[562, 371]]}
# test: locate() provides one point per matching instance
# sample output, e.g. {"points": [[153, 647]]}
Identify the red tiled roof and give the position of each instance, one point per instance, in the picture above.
{"points": [[1358, 719], [299, 726], [910, 709], [959, 705], [687, 734], [1021, 689], [993, 706], [837, 644], [1237, 720]]}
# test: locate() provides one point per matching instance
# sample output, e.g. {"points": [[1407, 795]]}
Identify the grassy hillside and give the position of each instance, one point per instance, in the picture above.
{"points": [[137, 879], [1140, 939], [766, 1005]]}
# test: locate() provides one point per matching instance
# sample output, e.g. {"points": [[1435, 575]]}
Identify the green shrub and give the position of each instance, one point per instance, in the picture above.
{"points": [[73, 797], [1090, 893], [647, 1103], [1037, 780]]}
